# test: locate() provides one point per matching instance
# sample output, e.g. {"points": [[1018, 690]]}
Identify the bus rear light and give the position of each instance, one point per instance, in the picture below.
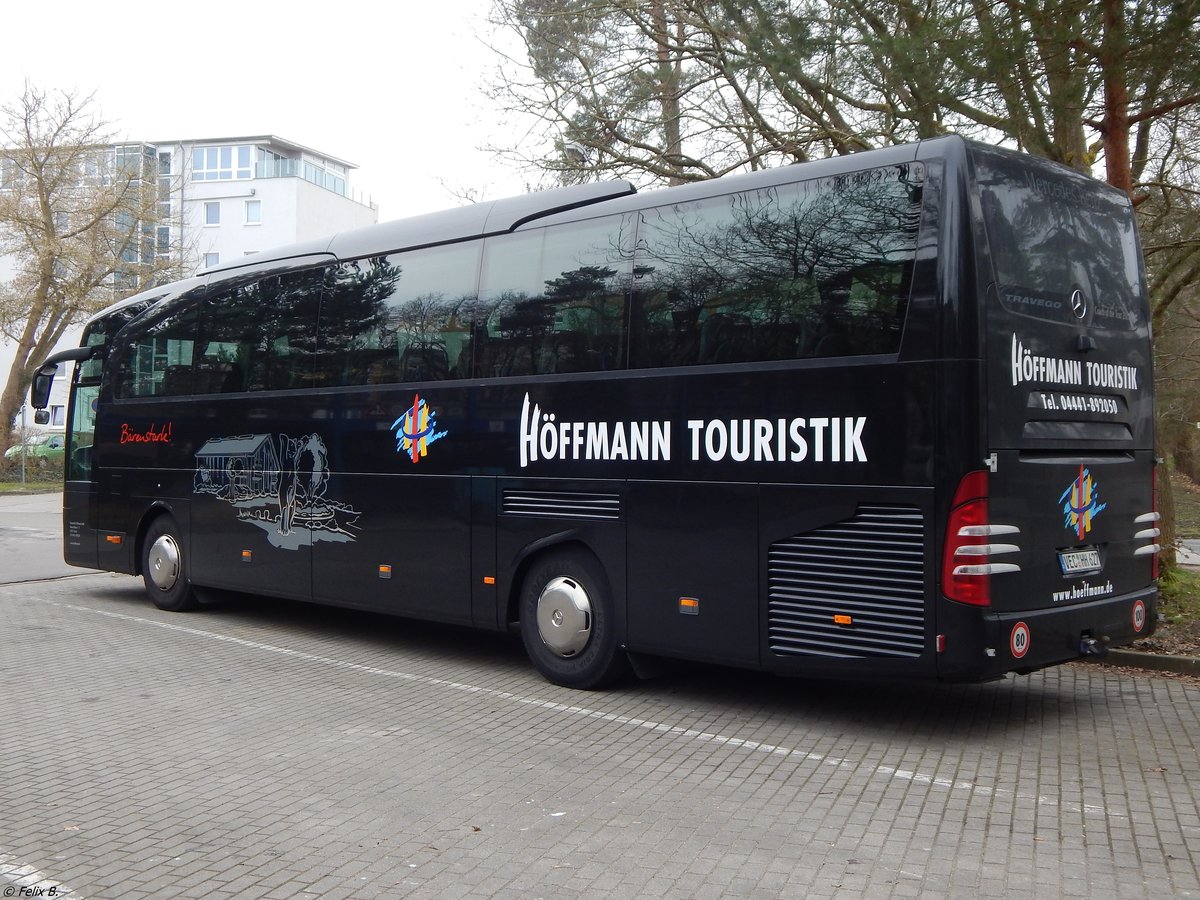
{"points": [[1153, 549], [966, 560]]}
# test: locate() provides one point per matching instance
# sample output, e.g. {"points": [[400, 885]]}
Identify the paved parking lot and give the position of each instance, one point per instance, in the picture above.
{"points": [[272, 750]]}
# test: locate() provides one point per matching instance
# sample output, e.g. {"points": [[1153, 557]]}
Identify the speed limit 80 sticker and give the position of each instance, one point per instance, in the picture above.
{"points": [[1018, 641], [1139, 616]]}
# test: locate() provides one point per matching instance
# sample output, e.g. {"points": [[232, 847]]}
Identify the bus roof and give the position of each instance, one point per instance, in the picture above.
{"points": [[550, 206], [445, 226]]}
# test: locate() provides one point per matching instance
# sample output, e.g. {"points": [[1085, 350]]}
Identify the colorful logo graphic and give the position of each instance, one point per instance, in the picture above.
{"points": [[416, 430], [1081, 503]]}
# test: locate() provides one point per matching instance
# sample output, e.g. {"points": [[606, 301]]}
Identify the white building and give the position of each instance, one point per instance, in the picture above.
{"points": [[224, 198], [232, 197]]}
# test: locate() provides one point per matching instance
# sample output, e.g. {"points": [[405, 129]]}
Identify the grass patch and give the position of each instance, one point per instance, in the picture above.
{"points": [[12, 487], [1179, 599], [1187, 506]]}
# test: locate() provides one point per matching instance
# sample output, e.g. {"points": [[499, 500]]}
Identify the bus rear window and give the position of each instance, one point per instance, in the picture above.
{"points": [[1064, 247]]}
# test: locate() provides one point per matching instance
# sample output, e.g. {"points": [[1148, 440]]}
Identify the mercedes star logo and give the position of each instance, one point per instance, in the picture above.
{"points": [[1078, 303]]}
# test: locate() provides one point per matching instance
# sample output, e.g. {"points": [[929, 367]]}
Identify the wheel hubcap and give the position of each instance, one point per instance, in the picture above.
{"points": [[162, 563], [564, 616]]}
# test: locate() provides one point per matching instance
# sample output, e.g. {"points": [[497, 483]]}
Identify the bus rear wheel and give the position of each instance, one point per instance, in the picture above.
{"points": [[164, 567], [567, 621]]}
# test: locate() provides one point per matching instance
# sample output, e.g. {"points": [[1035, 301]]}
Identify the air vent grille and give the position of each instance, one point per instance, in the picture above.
{"points": [[851, 589], [562, 504]]}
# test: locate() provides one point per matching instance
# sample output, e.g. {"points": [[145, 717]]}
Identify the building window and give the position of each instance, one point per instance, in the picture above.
{"points": [[221, 163], [164, 239], [58, 415], [10, 175], [212, 213], [211, 259], [253, 212], [328, 175]]}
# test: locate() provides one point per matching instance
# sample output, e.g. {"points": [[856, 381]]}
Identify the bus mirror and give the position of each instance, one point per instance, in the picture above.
{"points": [[41, 417], [43, 379], [39, 391]]}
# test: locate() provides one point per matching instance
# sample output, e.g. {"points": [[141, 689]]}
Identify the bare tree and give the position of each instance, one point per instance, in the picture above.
{"points": [[77, 226]]}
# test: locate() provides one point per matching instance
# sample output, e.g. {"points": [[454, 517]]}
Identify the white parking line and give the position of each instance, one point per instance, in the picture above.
{"points": [[707, 737], [26, 881]]}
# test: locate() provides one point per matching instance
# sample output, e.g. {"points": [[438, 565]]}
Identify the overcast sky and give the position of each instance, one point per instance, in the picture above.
{"points": [[394, 88]]}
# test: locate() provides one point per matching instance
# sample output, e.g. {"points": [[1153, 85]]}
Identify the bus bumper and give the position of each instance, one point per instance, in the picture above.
{"points": [[1033, 639]]}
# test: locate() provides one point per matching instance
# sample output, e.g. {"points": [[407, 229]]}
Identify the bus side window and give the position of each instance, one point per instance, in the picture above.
{"points": [[817, 268], [159, 360], [401, 318], [554, 299], [260, 335]]}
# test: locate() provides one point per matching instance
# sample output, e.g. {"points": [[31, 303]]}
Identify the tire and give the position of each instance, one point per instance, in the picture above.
{"points": [[567, 621], [165, 569]]}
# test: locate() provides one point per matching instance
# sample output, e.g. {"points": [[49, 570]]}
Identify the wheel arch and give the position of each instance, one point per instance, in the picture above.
{"points": [[532, 554], [153, 513]]}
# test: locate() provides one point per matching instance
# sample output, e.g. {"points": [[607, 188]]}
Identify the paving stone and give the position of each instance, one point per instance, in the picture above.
{"points": [[276, 750]]}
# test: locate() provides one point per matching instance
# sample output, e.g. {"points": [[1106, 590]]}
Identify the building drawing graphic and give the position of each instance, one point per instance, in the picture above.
{"points": [[278, 484]]}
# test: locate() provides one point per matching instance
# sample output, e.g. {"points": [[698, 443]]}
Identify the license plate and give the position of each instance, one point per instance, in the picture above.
{"points": [[1079, 562]]}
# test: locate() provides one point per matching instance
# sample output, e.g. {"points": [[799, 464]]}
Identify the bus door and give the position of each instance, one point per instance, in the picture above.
{"points": [[1069, 417], [79, 487]]}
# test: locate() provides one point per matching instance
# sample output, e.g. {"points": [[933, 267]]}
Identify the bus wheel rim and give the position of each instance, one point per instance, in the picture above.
{"points": [[163, 562], [564, 617]]}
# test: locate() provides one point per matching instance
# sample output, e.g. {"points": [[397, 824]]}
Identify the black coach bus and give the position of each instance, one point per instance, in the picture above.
{"points": [[884, 415]]}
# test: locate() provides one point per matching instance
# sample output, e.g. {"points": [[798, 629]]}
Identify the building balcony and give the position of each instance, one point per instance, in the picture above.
{"points": [[298, 168]]}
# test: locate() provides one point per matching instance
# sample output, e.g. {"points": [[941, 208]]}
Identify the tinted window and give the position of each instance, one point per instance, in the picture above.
{"points": [[158, 361], [259, 335], [404, 317], [819, 268], [102, 331], [553, 300], [1052, 233], [251, 335]]}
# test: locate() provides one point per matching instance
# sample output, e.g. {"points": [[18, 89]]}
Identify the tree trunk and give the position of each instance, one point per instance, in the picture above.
{"points": [[1113, 52], [668, 86], [12, 397]]}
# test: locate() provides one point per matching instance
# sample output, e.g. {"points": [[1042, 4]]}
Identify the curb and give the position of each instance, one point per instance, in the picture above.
{"points": [[1157, 662]]}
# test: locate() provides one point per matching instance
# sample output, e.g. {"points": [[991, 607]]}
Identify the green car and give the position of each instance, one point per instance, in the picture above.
{"points": [[42, 450]]}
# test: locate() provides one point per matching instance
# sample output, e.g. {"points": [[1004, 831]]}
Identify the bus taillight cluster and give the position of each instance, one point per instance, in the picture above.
{"points": [[967, 564]]}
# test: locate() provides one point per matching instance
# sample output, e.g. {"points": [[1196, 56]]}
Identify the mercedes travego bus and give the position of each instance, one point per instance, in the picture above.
{"points": [[887, 415]]}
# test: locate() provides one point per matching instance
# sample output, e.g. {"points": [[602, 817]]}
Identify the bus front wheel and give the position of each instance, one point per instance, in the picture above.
{"points": [[164, 567], [567, 622]]}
